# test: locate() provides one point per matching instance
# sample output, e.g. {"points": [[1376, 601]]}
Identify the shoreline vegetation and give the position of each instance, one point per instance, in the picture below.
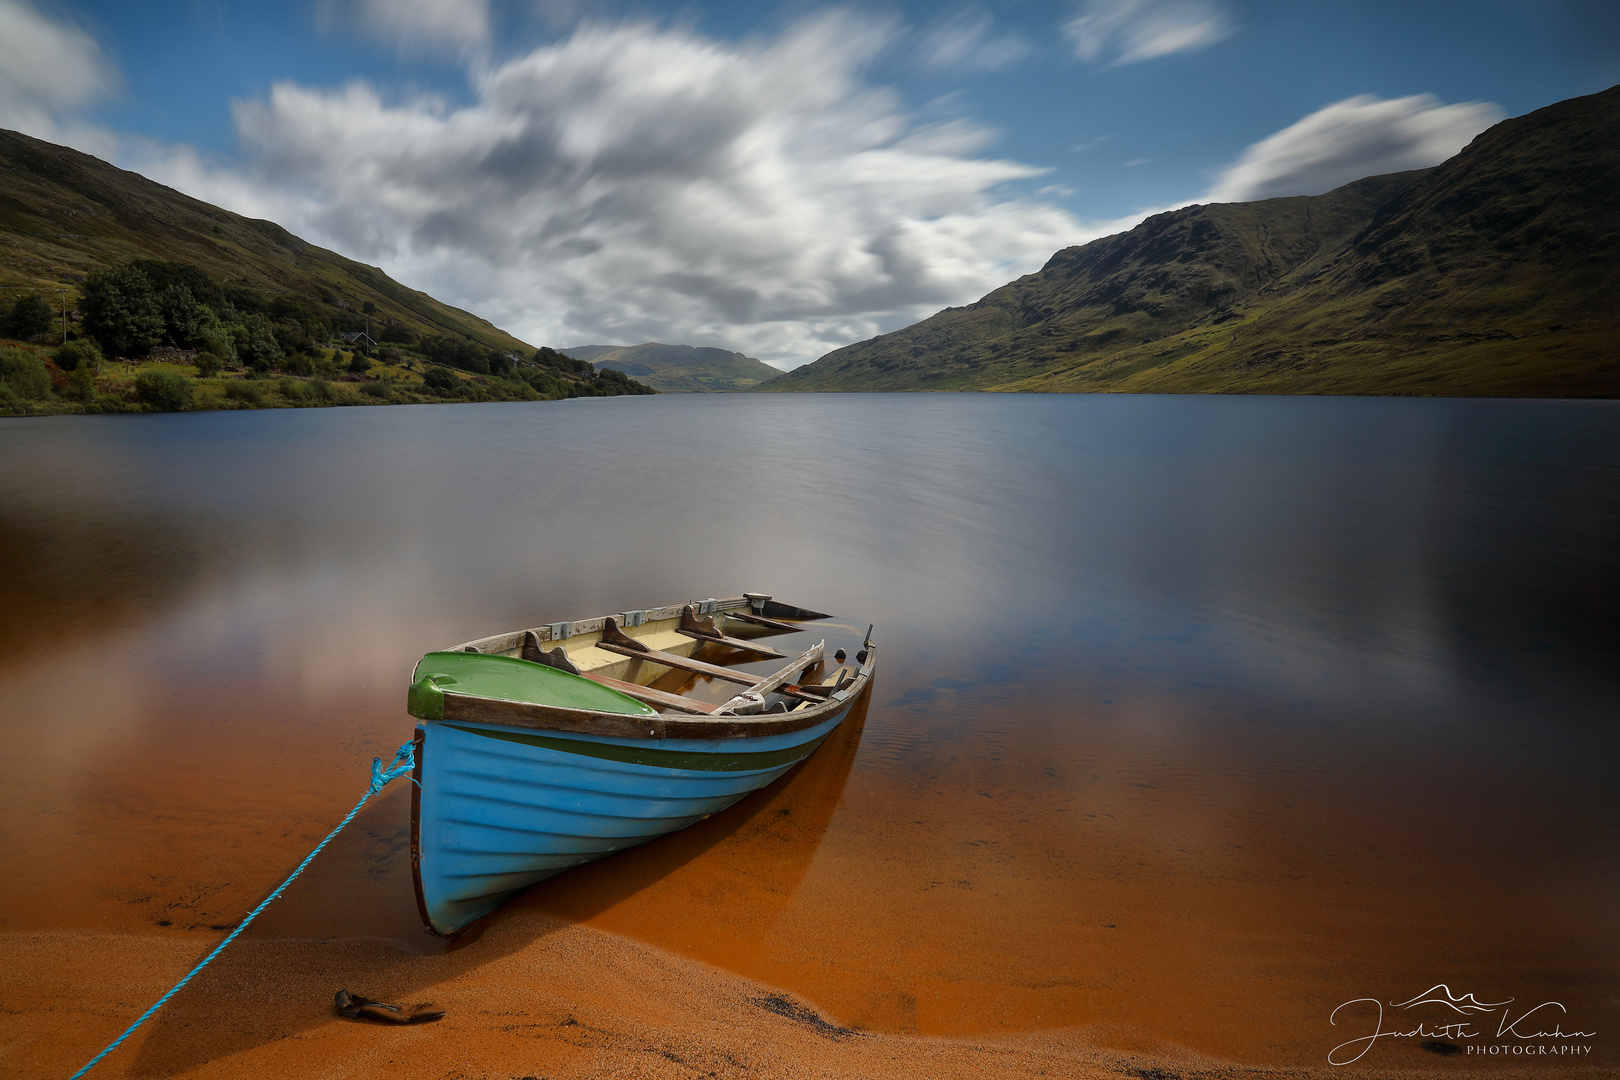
{"points": [[154, 336], [118, 294]]}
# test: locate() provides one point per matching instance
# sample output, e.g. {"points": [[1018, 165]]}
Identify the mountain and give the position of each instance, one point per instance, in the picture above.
{"points": [[64, 214], [1496, 273], [676, 369]]}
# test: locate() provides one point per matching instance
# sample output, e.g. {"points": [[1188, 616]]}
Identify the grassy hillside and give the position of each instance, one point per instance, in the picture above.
{"points": [[64, 214], [172, 288], [679, 369], [1496, 273]]}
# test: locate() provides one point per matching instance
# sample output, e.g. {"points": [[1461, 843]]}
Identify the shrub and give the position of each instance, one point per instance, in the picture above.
{"points": [[377, 390], [207, 364], [293, 389], [163, 391], [31, 316], [440, 381], [81, 385], [298, 364], [360, 364], [246, 392], [83, 352], [25, 374]]}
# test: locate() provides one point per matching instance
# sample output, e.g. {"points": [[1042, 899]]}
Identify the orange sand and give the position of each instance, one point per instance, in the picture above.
{"points": [[540, 998]]}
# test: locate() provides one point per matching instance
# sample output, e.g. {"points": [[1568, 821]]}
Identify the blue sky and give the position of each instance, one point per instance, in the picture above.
{"points": [[780, 180]]}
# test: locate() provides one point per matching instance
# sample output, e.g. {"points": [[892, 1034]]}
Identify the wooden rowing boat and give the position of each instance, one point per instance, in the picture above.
{"points": [[543, 748]]}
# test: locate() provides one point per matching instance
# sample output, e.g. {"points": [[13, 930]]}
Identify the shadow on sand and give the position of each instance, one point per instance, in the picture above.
{"points": [[350, 922]]}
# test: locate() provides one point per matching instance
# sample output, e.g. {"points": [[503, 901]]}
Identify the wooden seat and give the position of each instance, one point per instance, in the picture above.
{"points": [[617, 641], [776, 683], [759, 620], [653, 697], [703, 629]]}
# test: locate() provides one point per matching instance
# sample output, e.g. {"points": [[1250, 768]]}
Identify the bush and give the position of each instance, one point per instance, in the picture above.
{"points": [[83, 352], [81, 385], [30, 317], [207, 364], [163, 391], [439, 380], [25, 374], [360, 364], [247, 392], [377, 390], [293, 389]]}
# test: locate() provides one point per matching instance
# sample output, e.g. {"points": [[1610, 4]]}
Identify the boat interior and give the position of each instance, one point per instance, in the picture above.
{"points": [[738, 656]]}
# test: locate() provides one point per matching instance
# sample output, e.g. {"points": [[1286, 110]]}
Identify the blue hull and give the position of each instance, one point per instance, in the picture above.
{"points": [[500, 808]]}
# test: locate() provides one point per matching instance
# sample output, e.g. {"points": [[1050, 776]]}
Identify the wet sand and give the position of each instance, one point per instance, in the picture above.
{"points": [[790, 936]]}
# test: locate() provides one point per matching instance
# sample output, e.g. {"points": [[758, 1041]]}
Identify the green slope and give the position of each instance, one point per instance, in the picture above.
{"points": [[64, 214], [1496, 273], [678, 369]]}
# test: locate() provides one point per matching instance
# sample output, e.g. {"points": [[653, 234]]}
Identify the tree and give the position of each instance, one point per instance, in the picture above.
{"points": [[31, 316], [551, 358], [215, 341], [121, 311], [440, 380], [460, 352], [256, 345], [183, 317]]}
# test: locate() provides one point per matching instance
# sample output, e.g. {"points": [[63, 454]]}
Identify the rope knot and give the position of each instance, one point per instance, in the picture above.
{"points": [[403, 764]]}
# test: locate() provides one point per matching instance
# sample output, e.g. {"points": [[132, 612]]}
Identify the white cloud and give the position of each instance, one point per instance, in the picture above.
{"points": [[1359, 136], [964, 42], [414, 27], [1130, 31], [638, 183], [50, 69]]}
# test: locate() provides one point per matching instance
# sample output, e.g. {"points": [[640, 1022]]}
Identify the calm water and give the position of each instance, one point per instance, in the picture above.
{"points": [[1196, 717]]}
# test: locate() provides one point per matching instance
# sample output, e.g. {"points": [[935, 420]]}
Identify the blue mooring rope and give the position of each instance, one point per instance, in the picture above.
{"points": [[404, 762]]}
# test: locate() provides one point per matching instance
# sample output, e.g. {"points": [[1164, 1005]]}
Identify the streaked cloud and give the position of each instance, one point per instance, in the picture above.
{"points": [[1360, 136], [1130, 31], [49, 70], [641, 183], [966, 41], [413, 27]]}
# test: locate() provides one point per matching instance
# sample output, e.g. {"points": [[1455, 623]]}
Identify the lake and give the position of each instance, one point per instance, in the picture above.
{"points": [[1197, 717]]}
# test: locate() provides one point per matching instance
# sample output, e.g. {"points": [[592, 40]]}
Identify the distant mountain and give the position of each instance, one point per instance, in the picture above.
{"points": [[63, 214], [677, 369], [1496, 273]]}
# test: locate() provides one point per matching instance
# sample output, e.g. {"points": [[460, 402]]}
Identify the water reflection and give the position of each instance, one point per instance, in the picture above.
{"points": [[1197, 716]]}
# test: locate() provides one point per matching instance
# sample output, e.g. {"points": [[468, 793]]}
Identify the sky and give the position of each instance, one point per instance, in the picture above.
{"points": [[779, 179]]}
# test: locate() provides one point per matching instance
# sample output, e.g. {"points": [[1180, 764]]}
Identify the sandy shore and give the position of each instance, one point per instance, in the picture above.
{"points": [[533, 997]]}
